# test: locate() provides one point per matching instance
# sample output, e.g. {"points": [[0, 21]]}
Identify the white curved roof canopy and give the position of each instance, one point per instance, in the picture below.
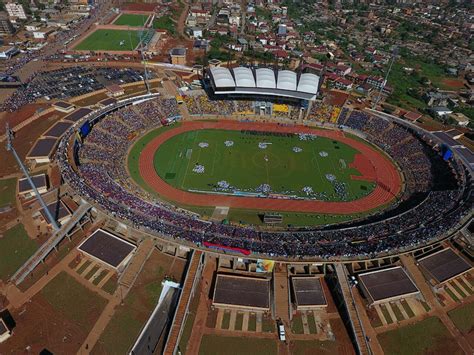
{"points": [[308, 83], [286, 80], [265, 78], [222, 77], [244, 77]]}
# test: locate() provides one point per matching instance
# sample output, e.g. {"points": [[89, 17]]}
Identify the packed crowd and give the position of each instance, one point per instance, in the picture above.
{"points": [[202, 105], [104, 185], [406, 149]]}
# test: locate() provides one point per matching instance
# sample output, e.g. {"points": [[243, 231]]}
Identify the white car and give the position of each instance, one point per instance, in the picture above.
{"points": [[281, 332]]}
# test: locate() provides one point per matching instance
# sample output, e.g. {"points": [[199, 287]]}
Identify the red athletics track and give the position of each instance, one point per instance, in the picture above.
{"points": [[372, 164]]}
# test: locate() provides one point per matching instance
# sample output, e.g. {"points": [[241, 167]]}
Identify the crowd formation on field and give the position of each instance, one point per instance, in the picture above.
{"points": [[101, 179]]}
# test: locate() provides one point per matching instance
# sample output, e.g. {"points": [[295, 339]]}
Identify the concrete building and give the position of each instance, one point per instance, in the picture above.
{"points": [[15, 10], [178, 56], [6, 52], [6, 27]]}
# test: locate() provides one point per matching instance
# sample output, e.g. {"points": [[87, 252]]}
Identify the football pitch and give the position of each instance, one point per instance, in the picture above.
{"points": [[250, 163], [131, 20], [110, 40]]}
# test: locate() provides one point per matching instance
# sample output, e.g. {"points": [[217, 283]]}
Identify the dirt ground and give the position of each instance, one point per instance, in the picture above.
{"points": [[14, 118], [39, 326], [24, 140], [453, 83]]}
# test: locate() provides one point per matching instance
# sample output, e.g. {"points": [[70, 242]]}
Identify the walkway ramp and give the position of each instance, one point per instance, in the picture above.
{"points": [[355, 322], [49, 245], [171, 346], [282, 300], [156, 325]]}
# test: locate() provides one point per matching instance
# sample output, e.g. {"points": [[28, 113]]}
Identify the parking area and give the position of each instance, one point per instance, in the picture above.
{"points": [[65, 83]]}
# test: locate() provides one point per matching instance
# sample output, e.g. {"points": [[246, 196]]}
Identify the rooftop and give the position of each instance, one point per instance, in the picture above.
{"points": [[242, 291]]}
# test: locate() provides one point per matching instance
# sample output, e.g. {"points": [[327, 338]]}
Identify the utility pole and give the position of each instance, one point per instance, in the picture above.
{"points": [[145, 73], [392, 60], [10, 148]]}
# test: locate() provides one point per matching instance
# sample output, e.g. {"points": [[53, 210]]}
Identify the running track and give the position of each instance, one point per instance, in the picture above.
{"points": [[373, 165]]}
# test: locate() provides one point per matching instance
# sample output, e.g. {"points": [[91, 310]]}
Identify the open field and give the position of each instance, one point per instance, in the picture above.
{"points": [[77, 303], [217, 345], [7, 192], [322, 165], [15, 248], [110, 40], [132, 20], [426, 337]]}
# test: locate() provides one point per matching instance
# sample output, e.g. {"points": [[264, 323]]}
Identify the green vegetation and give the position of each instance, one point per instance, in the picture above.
{"points": [[134, 155], [91, 272], [214, 344], [297, 325], [165, 23], [407, 308], [239, 321], [100, 277], [426, 337], [463, 318], [263, 13], [110, 40], [268, 325], [7, 192], [458, 289], [15, 249], [83, 267], [386, 315], [253, 217], [252, 326], [451, 294], [241, 215], [110, 285], [312, 323], [226, 320], [397, 312], [245, 167], [406, 87], [74, 301], [131, 20]]}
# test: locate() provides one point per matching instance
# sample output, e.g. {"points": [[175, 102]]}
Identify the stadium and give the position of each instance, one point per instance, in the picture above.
{"points": [[250, 171]]}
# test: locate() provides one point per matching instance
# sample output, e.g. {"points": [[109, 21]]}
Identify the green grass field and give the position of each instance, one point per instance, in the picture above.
{"points": [[322, 165], [429, 336], [131, 20], [15, 249], [74, 301], [220, 345], [7, 192], [110, 40], [463, 317], [235, 215]]}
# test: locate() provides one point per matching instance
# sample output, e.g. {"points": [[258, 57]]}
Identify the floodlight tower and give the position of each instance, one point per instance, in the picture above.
{"points": [[392, 60], [10, 148], [145, 70]]}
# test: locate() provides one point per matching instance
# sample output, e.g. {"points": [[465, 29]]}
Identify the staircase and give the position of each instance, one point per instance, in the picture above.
{"points": [[134, 267]]}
